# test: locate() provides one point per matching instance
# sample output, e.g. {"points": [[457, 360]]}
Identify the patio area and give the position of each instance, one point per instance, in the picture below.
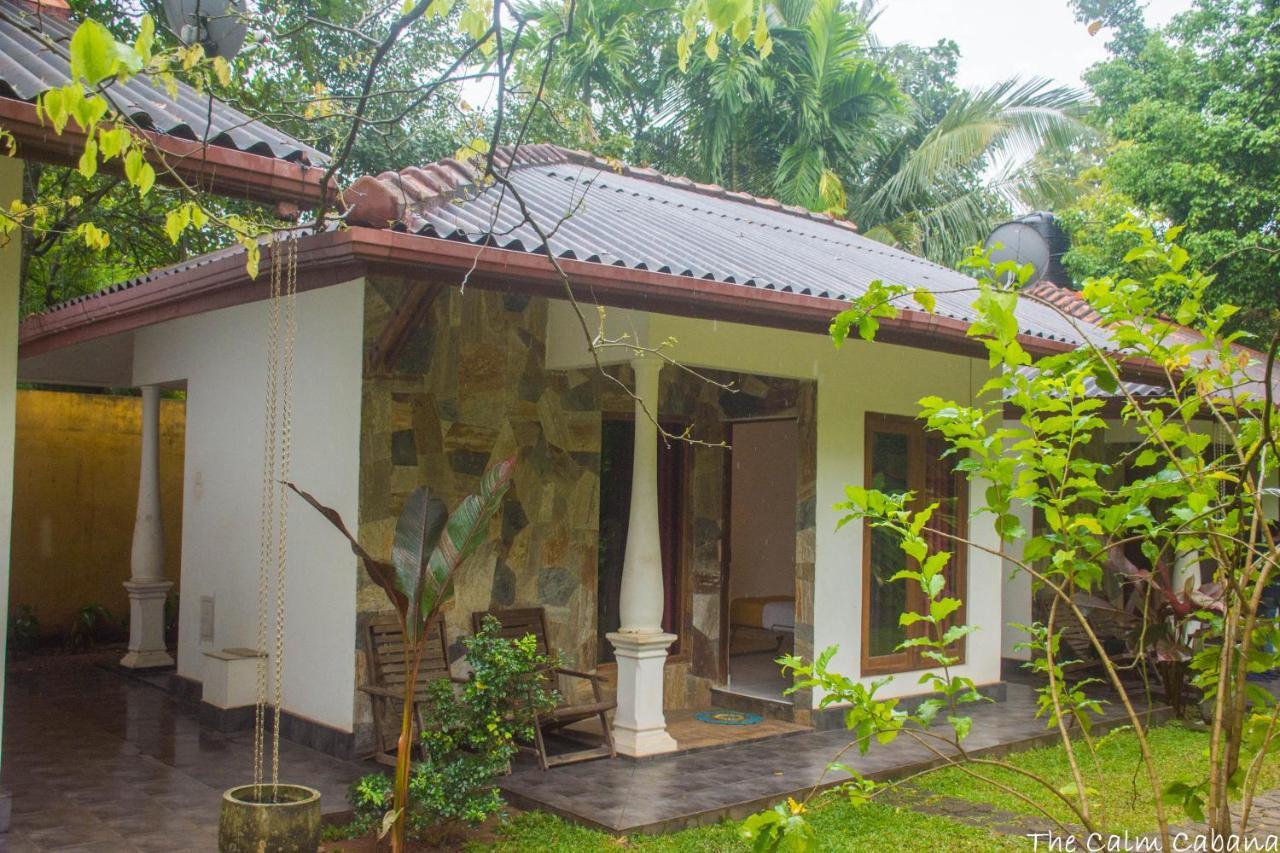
{"points": [[97, 760], [670, 793]]}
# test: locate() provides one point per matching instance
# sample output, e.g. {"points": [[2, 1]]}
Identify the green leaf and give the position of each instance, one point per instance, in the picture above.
{"points": [[89, 111], [943, 607], [88, 166], [381, 573], [417, 533], [146, 37], [96, 55], [146, 178], [112, 141], [463, 533]]}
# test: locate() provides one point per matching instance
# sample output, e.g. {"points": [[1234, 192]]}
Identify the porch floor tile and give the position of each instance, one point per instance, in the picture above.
{"points": [[667, 793], [95, 760]]}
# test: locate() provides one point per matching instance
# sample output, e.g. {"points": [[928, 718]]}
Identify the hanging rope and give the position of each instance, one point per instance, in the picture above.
{"points": [[273, 539], [265, 539], [286, 457]]}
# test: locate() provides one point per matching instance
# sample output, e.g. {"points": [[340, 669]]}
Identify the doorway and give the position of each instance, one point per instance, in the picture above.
{"points": [[758, 591]]}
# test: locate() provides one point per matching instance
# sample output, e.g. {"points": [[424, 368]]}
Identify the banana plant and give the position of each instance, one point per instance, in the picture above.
{"points": [[429, 546]]}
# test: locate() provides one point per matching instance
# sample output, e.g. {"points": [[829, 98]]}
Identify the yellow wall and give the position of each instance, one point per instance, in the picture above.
{"points": [[75, 492]]}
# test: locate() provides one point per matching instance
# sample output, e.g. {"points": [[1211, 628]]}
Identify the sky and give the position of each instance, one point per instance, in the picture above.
{"points": [[1000, 38]]}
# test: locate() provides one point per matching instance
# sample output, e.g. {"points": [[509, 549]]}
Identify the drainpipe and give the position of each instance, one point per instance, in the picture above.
{"points": [[640, 645], [146, 586]]}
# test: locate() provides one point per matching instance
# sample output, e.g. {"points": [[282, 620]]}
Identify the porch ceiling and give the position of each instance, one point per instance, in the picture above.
{"points": [[99, 363]]}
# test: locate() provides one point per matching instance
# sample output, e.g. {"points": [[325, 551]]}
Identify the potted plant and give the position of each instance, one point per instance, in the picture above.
{"points": [[429, 546]]}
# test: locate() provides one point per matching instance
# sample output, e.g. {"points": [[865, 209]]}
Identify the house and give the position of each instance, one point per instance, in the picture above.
{"points": [[435, 337], [207, 143]]}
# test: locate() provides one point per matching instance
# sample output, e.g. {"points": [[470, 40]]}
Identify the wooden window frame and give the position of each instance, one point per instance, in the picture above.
{"points": [[911, 660]]}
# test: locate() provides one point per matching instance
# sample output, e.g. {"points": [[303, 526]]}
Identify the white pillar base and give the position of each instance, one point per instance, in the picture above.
{"points": [[146, 625], [639, 725]]}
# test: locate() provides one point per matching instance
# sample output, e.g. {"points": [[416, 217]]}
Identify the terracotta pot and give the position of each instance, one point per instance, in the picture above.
{"points": [[280, 819]]}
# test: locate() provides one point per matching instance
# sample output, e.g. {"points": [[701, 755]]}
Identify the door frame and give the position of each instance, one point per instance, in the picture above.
{"points": [[726, 532]]}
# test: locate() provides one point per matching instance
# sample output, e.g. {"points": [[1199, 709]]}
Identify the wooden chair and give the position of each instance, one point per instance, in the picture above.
{"points": [[384, 646], [533, 620]]}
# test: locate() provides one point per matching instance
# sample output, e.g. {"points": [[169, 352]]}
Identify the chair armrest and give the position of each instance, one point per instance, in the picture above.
{"points": [[590, 676], [375, 690]]}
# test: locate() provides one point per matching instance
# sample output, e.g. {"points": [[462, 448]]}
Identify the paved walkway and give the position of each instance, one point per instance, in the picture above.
{"points": [[97, 761]]}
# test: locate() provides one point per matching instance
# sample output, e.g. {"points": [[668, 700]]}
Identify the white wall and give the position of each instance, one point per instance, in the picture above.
{"points": [[762, 553], [857, 379], [221, 356], [1015, 594], [10, 276]]}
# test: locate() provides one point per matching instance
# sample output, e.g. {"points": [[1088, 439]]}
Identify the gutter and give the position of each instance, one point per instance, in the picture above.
{"points": [[211, 168], [338, 256]]}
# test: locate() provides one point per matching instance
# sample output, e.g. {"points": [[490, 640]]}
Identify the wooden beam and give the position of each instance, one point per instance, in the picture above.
{"points": [[409, 315]]}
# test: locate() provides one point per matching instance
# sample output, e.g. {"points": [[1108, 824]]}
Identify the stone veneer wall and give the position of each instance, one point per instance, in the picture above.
{"points": [[469, 388]]}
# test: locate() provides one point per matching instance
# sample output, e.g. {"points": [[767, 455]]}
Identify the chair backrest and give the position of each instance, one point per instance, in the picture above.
{"points": [[385, 647], [518, 623]]}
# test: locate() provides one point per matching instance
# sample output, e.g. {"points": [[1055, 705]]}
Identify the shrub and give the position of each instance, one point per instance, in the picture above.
{"points": [[470, 735]]}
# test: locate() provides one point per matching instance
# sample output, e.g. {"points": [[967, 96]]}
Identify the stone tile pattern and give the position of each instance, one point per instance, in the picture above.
{"points": [[470, 387], [665, 794], [99, 761]]}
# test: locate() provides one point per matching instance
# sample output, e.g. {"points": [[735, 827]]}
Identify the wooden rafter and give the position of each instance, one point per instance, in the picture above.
{"points": [[408, 315]]}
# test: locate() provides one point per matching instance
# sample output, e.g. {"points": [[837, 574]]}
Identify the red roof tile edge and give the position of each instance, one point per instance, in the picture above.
{"points": [[1068, 301], [385, 200]]}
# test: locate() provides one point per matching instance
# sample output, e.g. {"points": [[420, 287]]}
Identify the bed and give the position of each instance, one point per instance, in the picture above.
{"points": [[772, 614]]}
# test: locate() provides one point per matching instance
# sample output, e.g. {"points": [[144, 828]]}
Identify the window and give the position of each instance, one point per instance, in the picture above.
{"points": [[901, 456]]}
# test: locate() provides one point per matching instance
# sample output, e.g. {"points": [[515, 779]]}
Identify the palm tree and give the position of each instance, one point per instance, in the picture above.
{"points": [[791, 124], [611, 59], [939, 184]]}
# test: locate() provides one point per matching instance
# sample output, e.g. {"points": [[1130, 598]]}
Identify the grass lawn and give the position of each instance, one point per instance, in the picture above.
{"points": [[1123, 799], [871, 827], [1122, 802]]}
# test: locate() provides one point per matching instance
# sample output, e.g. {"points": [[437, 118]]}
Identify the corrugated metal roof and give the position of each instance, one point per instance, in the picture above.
{"points": [[34, 59], [636, 218]]}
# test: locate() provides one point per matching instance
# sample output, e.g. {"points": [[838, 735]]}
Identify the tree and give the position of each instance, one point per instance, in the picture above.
{"points": [[610, 85], [956, 162], [790, 121], [1206, 449], [821, 115], [285, 75], [1193, 117]]}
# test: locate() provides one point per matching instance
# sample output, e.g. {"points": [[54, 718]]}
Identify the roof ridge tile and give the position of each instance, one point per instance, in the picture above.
{"points": [[396, 199]]}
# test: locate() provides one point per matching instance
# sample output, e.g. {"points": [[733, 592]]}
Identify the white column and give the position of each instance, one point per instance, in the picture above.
{"points": [[640, 644], [146, 586], [10, 276]]}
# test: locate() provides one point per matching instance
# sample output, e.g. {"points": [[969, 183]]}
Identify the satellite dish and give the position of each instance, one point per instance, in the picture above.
{"points": [[217, 25], [1035, 239]]}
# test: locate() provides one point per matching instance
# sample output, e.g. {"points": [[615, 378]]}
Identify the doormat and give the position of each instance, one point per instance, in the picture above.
{"points": [[728, 718]]}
